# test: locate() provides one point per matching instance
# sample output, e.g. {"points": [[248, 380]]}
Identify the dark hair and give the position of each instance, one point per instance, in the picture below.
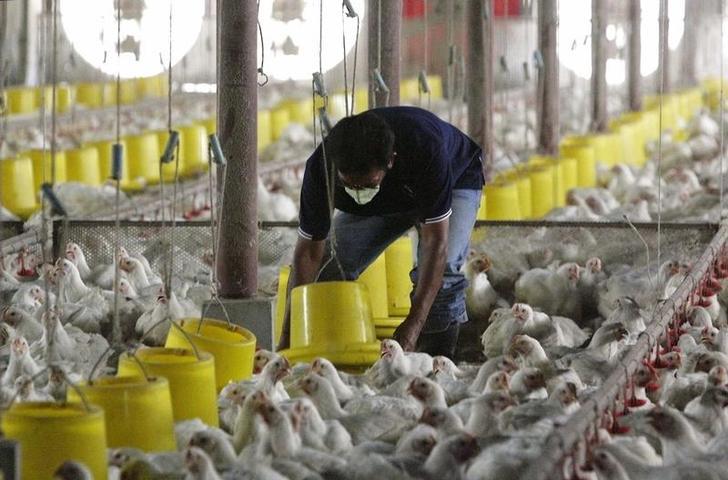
{"points": [[360, 143]]}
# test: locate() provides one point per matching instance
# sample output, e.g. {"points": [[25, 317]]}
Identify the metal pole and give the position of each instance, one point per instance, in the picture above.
{"points": [[489, 53], [599, 66], [693, 19], [388, 58], [663, 79], [548, 136], [475, 80], [237, 264], [634, 74]]}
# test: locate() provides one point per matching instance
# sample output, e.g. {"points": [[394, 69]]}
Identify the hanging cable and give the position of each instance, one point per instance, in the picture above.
{"points": [[117, 159], [347, 10], [423, 85], [662, 45], [722, 120], [261, 70]]}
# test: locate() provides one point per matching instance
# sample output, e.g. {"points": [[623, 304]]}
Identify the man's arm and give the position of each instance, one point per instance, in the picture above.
{"points": [[306, 262], [433, 245]]}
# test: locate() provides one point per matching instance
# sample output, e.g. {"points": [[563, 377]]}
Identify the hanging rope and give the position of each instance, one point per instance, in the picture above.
{"points": [[54, 80], [422, 83], [348, 11], [261, 70], [117, 159], [663, 51]]}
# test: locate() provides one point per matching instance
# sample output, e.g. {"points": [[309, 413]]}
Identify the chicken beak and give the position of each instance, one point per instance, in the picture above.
{"points": [[283, 373]]}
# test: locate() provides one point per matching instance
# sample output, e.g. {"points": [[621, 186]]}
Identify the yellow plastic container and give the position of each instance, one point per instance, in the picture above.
{"points": [[168, 170], [232, 346], [64, 97], [82, 165], [409, 90], [585, 162], [128, 92], [361, 100], [105, 160], [482, 214], [108, 93], [502, 201], [149, 87], [89, 95], [337, 104], [143, 157], [193, 149], [20, 100], [17, 189], [375, 279], [435, 82], [138, 412], [265, 129], [50, 434], [300, 111], [651, 124], [210, 125], [398, 260], [385, 327], [42, 167], [542, 190], [191, 380], [283, 274], [280, 118], [569, 173]]}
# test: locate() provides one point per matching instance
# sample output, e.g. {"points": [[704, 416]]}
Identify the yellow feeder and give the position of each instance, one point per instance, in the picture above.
{"points": [[232, 346], [42, 167], [150, 87], [210, 125], [280, 118], [361, 100], [300, 111], [333, 320], [435, 82], [82, 165], [17, 189], [138, 411], [585, 162], [108, 93], [20, 100], [375, 279], [169, 169], [570, 175], [143, 157], [409, 89], [128, 92], [542, 190], [265, 129], [482, 209], [283, 275], [193, 149], [191, 379], [651, 124], [398, 260], [64, 97], [502, 201], [337, 104], [50, 434], [90, 94], [105, 160]]}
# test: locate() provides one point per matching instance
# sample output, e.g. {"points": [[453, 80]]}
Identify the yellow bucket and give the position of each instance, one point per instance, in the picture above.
{"points": [[128, 92], [17, 189], [280, 118], [570, 175], [523, 183], [265, 129], [210, 125], [361, 100], [337, 104], [191, 380], [42, 166], [385, 327], [435, 82], [149, 87], [482, 213], [64, 97], [105, 161], [502, 201], [409, 89], [138, 412], [300, 111], [193, 149], [398, 260], [232, 346], [20, 100], [50, 434], [169, 169], [585, 163], [82, 165], [651, 124], [89, 94], [283, 275], [143, 157], [375, 279], [108, 93], [542, 190]]}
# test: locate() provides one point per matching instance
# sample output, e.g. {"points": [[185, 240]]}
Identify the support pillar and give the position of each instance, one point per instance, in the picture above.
{"points": [[237, 264], [548, 79], [388, 56], [599, 66], [475, 73], [634, 72], [693, 17], [663, 77]]}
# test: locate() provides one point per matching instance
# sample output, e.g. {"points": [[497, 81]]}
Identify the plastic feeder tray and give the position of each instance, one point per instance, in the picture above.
{"points": [[232, 346], [138, 412], [191, 380], [143, 157], [332, 320], [585, 162], [51, 433], [83, 166], [542, 190], [502, 201], [17, 190]]}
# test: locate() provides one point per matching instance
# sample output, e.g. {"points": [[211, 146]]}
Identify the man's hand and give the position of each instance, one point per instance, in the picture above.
{"points": [[408, 332]]}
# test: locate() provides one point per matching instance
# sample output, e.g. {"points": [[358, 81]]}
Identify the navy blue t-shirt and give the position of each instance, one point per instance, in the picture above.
{"points": [[433, 158]]}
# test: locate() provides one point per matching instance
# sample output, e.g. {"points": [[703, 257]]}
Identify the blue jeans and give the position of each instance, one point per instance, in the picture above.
{"points": [[360, 240]]}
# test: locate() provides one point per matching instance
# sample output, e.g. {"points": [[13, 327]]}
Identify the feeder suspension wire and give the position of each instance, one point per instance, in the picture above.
{"points": [[722, 120], [261, 69], [349, 111], [116, 327], [663, 51]]}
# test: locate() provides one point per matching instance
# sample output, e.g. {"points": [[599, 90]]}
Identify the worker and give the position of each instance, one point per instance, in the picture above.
{"points": [[385, 171]]}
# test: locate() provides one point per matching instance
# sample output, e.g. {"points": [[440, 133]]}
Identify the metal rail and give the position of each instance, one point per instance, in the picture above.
{"points": [[566, 440]]}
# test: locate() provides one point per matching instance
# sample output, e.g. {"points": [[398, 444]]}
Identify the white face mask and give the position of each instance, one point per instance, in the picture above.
{"points": [[362, 196]]}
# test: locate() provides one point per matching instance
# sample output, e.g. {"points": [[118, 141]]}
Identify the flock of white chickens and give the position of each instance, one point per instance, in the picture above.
{"points": [[553, 323]]}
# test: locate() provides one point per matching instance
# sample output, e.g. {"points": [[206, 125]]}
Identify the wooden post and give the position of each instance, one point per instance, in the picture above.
{"points": [[663, 77], [475, 73], [689, 49], [488, 103], [388, 54], [634, 73], [599, 66], [548, 135], [237, 263]]}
